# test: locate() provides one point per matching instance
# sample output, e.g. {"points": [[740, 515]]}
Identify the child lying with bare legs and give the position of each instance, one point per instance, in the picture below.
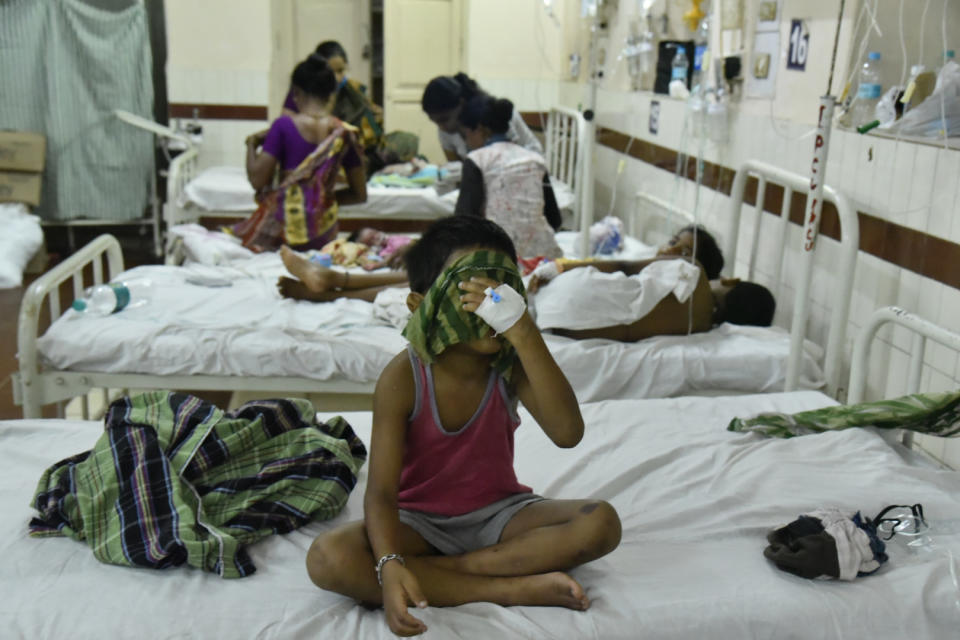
{"points": [[445, 520], [315, 282]]}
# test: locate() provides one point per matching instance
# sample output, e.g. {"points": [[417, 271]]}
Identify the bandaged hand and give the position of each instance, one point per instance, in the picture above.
{"points": [[542, 275], [497, 304]]}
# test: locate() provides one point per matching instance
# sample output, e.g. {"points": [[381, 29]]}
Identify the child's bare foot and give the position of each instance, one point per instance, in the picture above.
{"points": [[314, 276], [297, 290], [556, 589]]}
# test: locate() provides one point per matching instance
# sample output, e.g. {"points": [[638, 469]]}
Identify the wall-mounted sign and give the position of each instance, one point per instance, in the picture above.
{"points": [[799, 45], [654, 125]]}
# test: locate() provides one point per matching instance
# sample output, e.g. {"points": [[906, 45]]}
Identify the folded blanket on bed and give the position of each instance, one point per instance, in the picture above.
{"points": [[932, 413], [174, 480]]}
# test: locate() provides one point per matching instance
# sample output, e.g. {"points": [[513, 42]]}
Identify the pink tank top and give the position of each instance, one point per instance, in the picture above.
{"points": [[452, 473]]}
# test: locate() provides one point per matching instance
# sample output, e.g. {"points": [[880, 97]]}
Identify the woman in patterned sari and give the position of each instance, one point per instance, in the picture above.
{"points": [[309, 149]]}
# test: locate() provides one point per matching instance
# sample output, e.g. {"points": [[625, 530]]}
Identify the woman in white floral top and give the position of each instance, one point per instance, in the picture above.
{"points": [[505, 182]]}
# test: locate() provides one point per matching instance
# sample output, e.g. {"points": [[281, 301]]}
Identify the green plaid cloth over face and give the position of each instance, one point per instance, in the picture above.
{"points": [[440, 320], [935, 414]]}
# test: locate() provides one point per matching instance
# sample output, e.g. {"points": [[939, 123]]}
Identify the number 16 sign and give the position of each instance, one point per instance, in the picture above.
{"points": [[799, 45]]}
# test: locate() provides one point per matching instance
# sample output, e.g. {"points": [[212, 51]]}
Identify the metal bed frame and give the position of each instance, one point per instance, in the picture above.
{"points": [[845, 270], [33, 386]]}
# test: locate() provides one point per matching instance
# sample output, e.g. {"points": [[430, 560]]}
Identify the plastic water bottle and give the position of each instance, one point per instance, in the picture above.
{"points": [[701, 56], [679, 66], [869, 91], [104, 299]]}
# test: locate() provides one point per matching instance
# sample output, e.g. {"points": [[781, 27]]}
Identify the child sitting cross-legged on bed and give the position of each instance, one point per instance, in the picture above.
{"points": [[445, 520]]}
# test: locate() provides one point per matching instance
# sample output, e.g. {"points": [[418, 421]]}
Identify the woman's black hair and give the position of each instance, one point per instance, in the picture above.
{"points": [[331, 49], [751, 304], [314, 77], [492, 113], [426, 258], [444, 93], [708, 251]]}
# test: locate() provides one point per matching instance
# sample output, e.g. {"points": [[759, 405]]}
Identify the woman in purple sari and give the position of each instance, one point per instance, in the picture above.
{"points": [[309, 149]]}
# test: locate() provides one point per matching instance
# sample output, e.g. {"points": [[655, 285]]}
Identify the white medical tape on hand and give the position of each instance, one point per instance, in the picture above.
{"points": [[502, 307], [547, 270]]}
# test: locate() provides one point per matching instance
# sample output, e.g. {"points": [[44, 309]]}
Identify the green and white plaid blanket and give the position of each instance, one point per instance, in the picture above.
{"points": [[174, 480], [931, 413], [440, 320]]}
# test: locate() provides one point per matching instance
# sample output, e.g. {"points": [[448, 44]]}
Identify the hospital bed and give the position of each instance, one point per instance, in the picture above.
{"points": [[246, 338], [225, 192], [695, 501]]}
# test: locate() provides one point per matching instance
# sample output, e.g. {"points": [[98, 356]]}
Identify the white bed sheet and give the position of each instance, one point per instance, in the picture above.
{"points": [[695, 500], [226, 189], [247, 329]]}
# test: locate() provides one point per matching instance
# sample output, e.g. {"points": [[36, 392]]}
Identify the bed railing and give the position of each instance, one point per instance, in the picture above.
{"points": [[567, 153], [923, 330], [30, 387], [648, 208], [844, 269], [183, 169]]}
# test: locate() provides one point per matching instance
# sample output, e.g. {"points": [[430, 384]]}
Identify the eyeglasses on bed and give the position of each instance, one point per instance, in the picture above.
{"points": [[903, 520]]}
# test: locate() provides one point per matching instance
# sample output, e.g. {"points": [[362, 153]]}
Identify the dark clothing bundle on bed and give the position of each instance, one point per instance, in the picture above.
{"points": [[174, 480], [827, 543]]}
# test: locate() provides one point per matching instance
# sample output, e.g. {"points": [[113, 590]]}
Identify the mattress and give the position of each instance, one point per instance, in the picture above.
{"points": [[226, 189], [695, 501], [247, 329]]}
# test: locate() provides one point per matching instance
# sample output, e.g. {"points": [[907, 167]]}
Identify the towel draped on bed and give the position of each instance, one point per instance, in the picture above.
{"points": [[935, 414], [174, 480]]}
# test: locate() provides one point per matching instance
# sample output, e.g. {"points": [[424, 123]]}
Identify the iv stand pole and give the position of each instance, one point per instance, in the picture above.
{"points": [[589, 141], [814, 206]]}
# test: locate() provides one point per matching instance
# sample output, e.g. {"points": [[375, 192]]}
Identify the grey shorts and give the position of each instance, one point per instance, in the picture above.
{"points": [[453, 535]]}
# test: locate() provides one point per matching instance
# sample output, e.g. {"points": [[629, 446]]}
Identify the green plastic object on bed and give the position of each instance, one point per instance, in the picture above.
{"points": [[935, 414]]}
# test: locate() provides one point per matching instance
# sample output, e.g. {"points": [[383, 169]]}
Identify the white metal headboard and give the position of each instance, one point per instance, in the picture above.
{"points": [[31, 388], [923, 330], [568, 155], [844, 270]]}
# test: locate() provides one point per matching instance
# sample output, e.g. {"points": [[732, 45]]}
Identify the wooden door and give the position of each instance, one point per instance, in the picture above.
{"points": [[422, 39]]}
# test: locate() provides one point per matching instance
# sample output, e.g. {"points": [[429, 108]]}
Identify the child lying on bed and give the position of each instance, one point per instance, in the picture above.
{"points": [[445, 520], [633, 300]]}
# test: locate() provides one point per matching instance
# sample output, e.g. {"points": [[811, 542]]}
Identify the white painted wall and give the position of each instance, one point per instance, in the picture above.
{"points": [[220, 52], [910, 184]]}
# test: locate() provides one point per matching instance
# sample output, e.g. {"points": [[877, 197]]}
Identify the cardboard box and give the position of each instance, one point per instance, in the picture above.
{"points": [[22, 151], [18, 186]]}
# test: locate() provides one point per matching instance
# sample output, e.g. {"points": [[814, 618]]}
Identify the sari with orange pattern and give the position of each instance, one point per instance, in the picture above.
{"points": [[302, 211]]}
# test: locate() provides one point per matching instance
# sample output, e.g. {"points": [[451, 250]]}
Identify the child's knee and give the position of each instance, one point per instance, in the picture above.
{"points": [[327, 560], [604, 525]]}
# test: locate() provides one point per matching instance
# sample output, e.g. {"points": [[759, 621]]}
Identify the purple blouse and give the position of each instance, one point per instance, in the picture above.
{"points": [[285, 143]]}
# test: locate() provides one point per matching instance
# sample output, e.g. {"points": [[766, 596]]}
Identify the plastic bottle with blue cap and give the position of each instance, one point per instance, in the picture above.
{"points": [[105, 299]]}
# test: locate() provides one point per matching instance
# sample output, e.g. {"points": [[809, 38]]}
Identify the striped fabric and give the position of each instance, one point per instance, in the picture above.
{"points": [[440, 320], [174, 480], [936, 414], [65, 66], [302, 211]]}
